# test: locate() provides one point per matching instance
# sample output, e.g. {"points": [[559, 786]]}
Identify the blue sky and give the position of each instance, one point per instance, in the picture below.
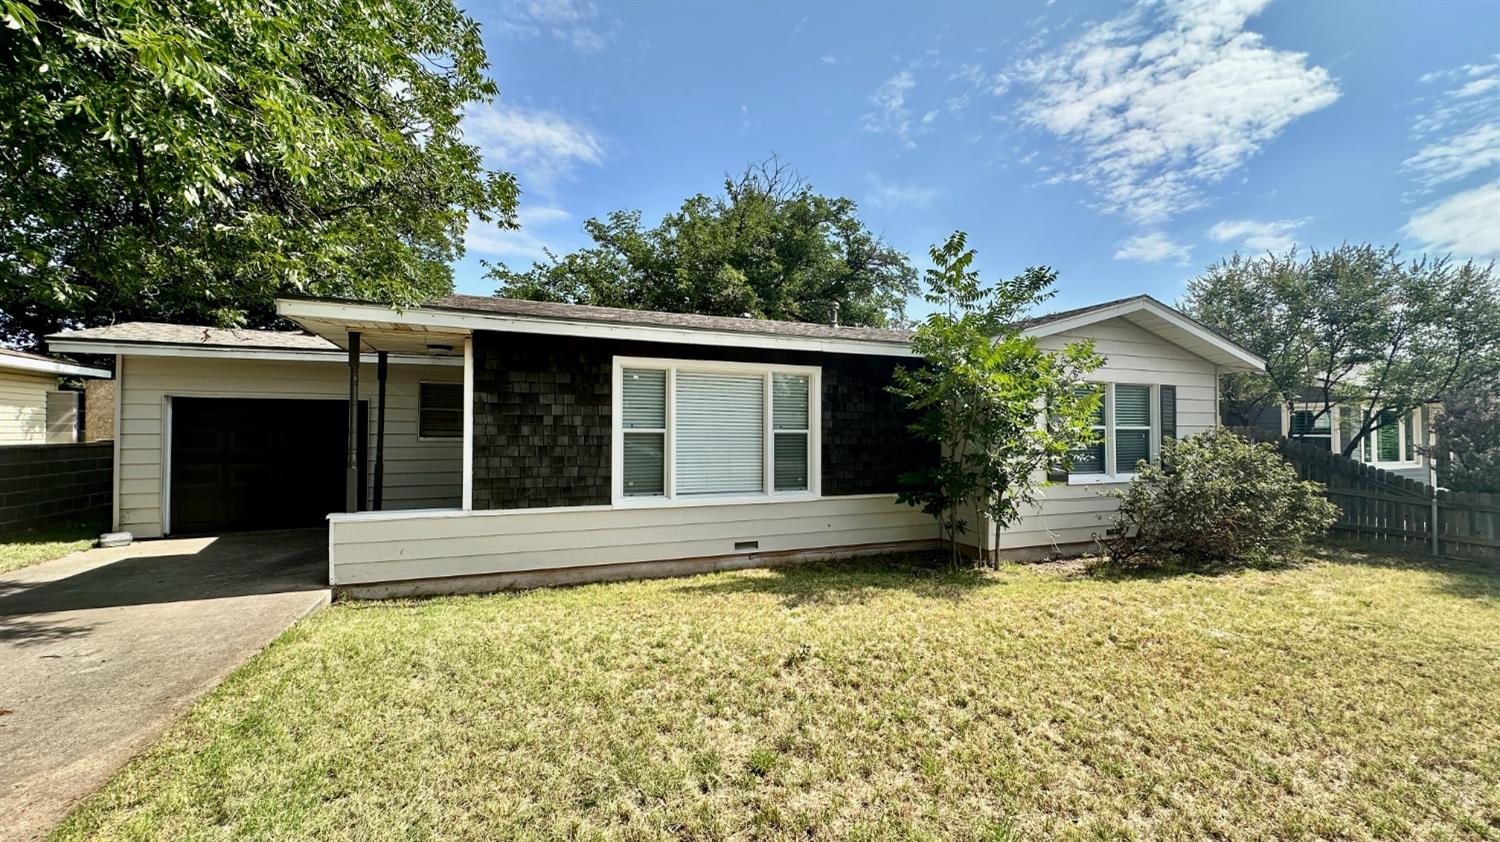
{"points": [[1126, 145]]}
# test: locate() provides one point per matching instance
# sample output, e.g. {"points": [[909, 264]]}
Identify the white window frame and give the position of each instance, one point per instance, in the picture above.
{"points": [[768, 493], [1112, 474], [459, 384]]}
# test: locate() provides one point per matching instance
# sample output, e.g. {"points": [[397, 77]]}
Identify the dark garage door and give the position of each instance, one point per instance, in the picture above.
{"points": [[240, 464]]}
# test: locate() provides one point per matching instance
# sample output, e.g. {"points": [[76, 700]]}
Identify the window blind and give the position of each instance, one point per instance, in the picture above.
{"points": [[1132, 426], [789, 418], [440, 413], [643, 410], [720, 433]]}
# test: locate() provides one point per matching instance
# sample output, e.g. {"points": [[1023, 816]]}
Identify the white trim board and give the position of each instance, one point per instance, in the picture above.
{"points": [[299, 310], [57, 367], [165, 349]]}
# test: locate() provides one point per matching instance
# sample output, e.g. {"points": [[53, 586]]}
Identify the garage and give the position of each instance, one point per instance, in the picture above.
{"points": [[239, 464]]}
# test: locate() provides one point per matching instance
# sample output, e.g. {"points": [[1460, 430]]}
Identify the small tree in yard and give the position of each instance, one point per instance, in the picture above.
{"points": [[1216, 498], [1001, 409]]}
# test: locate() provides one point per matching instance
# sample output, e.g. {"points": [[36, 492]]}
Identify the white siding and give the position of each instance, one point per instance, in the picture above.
{"points": [[374, 547], [1074, 514], [23, 406], [418, 474]]}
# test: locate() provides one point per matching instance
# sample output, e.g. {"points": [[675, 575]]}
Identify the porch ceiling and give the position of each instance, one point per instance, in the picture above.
{"points": [[400, 338]]}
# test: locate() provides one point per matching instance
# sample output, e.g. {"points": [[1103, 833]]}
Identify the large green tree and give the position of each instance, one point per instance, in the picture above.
{"points": [[1357, 326], [190, 161], [769, 246]]}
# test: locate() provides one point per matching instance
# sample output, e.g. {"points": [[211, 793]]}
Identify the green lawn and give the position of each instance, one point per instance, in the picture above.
{"points": [[1350, 698], [28, 546]]}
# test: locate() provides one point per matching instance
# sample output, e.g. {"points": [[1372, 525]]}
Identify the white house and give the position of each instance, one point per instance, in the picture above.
{"points": [[32, 408], [500, 443]]}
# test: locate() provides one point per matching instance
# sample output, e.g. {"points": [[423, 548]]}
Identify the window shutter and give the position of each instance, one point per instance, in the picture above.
{"points": [[1168, 412], [720, 433]]}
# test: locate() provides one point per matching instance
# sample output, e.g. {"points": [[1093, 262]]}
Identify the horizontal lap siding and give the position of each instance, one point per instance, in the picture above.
{"points": [[1075, 514], [508, 541], [418, 474], [23, 406]]}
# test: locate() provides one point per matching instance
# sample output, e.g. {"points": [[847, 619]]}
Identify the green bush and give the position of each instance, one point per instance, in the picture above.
{"points": [[1217, 499]]}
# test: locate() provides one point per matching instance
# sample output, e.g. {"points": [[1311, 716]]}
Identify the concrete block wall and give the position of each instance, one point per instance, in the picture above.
{"points": [[42, 484]]}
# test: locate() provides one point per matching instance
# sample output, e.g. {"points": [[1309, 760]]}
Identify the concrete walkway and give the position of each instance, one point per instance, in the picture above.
{"points": [[100, 651]]}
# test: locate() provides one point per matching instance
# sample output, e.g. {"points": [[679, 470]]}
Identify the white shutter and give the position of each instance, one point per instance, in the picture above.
{"points": [[720, 433]]}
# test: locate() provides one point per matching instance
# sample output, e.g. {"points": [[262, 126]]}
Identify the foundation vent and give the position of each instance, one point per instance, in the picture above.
{"points": [[746, 545]]}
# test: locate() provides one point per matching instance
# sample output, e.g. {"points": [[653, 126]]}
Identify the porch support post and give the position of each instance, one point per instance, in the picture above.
{"points": [[351, 463], [380, 372], [468, 440]]}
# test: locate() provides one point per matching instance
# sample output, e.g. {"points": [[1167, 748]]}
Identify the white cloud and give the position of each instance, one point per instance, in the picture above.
{"points": [[1459, 134], [828, 60], [1270, 235], [526, 242], [1168, 99], [539, 146], [890, 196], [1466, 224], [891, 113], [576, 23], [1152, 248]]}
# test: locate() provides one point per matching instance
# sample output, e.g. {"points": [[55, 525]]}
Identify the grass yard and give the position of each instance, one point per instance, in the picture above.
{"points": [[28, 546], [1354, 697]]}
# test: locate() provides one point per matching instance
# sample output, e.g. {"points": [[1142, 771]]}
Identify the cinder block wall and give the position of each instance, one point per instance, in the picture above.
{"points": [[42, 484], [542, 418]]}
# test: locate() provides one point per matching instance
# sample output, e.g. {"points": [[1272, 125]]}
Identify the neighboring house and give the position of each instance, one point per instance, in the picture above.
{"points": [[1397, 445], [32, 408], [530, 443]]}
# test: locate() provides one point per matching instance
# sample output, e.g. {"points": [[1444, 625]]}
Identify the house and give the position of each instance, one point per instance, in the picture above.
{"points": [[33, 410], [501, 443], [1396, 445]]}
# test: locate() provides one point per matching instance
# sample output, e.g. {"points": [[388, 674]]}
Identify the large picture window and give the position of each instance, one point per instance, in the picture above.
{"points": [[1126, 430], [690, 430]]}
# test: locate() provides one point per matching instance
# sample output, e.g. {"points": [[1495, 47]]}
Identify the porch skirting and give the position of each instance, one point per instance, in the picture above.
{"points": [[380, 554]]}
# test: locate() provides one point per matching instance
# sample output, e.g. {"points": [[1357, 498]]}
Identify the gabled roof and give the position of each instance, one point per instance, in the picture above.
{"points": [[1155, 317], [13, 360]]}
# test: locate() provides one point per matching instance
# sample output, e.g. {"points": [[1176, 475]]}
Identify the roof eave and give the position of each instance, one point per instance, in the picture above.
{"points": [[312, 313], [54, 367]]}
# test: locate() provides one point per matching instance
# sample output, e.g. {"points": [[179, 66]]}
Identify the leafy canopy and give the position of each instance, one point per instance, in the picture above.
{"points": [[1003, 410], [1356, 326], [1468, 439], [768, 246], [190, 161]]}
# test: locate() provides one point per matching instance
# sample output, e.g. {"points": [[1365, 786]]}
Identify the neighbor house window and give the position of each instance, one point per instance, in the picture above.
{"points": [[1126, 431], [691, 430], [1392, 443], [440, 410], [1312, 426]]}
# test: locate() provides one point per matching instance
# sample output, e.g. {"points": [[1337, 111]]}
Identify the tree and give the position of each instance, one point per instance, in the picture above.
{"points": [[1002, 410], [191, 161], [769, 246], [1354, 326], [1468, 439]]}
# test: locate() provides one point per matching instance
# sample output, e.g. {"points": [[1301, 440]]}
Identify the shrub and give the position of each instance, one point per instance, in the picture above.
{"points": [[1217, 499]]}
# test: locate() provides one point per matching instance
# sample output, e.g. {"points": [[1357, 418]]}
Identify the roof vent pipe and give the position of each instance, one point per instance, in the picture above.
{"points": [[835, 314]]}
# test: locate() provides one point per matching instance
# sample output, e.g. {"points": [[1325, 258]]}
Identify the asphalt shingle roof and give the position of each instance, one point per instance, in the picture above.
{"points": [[622, 315], [158, 333]]}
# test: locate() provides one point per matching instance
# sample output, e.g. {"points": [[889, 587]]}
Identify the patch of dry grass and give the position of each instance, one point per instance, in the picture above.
{"points": [[1352, 697]]}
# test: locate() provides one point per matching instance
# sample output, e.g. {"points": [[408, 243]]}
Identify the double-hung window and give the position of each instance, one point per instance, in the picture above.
{"points": [[440, 410], [1126, 432], [690, 430]]}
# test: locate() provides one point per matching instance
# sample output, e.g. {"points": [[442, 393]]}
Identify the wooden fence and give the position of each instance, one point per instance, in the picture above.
{"points": [[1380, 507]]}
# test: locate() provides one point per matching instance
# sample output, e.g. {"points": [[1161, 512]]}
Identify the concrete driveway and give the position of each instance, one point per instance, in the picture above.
{"points": [[100, 651]]}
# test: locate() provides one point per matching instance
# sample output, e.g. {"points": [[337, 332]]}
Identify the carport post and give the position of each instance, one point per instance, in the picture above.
{"points": [[380, 364], [351, 464]]}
